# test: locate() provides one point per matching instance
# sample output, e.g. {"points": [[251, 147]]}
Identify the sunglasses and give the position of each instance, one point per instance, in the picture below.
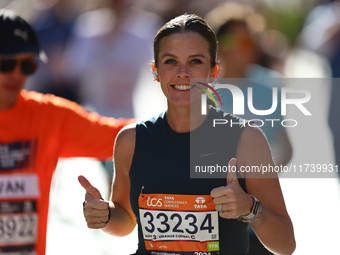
{"points": [[27, 66]]}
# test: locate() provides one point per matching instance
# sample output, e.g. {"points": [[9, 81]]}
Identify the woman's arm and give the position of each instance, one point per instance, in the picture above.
{"points": [[273, 226], [122, 220], [114, 217]]}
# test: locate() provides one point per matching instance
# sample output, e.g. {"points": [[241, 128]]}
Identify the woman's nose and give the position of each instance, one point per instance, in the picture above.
{"points": [[183, 71]]}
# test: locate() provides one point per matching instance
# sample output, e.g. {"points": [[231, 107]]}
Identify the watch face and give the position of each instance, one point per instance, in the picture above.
{"points": [[256, 207]]}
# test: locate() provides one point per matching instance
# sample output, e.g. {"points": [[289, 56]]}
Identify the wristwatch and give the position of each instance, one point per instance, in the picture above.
{"points": [[255, 210]]}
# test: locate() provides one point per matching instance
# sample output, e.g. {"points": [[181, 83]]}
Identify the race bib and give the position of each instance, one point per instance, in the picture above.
{"points": [[18, 214], [179, 224]]}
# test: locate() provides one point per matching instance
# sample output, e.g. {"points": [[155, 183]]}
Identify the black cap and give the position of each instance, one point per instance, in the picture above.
{"points": [[16, 35]]}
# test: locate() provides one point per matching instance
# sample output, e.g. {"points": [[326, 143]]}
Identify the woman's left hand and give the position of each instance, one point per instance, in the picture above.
{"points": [[231, 201]]}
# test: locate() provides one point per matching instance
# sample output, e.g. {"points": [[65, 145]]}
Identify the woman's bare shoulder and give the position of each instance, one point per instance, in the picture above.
{"points": [[253, 147]]}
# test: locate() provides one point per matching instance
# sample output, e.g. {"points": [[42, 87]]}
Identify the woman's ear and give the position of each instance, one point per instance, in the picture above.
{"points": [[215, 71], [154, 72]]}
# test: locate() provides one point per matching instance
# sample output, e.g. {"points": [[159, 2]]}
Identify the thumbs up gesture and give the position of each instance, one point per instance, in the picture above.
{"points": [[231, 200], [96, 210]]}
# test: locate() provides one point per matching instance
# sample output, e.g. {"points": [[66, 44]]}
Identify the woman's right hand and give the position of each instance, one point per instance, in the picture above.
{"points": [[96, 210]]}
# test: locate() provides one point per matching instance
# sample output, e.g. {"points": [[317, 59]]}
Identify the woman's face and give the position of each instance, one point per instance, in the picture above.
{"points": [[183, 56]]}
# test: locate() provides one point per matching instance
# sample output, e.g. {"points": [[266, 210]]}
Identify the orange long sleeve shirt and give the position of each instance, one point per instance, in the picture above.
{"points": [[34, 134]]}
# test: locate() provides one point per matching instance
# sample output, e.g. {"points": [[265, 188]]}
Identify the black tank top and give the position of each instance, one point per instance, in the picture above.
{"points": [[161, 165]]}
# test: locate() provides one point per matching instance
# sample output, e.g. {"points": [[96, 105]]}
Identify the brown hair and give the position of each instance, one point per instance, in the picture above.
{"points": [[187, 23]]}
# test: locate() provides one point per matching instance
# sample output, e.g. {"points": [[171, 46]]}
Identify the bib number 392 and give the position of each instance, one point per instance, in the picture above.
{"points": [[18, 229]]}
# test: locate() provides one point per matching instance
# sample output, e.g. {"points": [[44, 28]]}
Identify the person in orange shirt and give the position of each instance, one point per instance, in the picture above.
{"points": [[35, 131]]}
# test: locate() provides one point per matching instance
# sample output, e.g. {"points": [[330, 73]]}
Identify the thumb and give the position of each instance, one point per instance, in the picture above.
{"points": [[91, 190], [232, 177]]}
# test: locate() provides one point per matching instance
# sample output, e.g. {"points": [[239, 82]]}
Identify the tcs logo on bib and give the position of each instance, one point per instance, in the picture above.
{"points": [[154, 202]]}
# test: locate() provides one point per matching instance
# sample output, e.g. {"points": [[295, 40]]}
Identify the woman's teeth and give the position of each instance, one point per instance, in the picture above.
{"points": [[182, 87]]}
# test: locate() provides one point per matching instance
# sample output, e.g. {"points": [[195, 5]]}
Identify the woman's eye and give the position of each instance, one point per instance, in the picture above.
{"points": [[170, 61], [196, 61]]}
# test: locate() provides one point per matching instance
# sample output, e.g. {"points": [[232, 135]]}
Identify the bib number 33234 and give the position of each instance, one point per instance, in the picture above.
{"points": [[184, 224]]}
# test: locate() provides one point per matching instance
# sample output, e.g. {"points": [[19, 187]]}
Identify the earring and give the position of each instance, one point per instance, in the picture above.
{"points": [[155, 75], [212, 81]]}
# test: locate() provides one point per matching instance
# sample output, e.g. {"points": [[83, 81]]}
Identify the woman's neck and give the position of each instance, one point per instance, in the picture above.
{"points": [[184, 120]]}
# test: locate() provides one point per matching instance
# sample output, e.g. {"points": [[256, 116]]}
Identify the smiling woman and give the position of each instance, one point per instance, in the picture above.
{"points": [[153, 161], [183, 56]]}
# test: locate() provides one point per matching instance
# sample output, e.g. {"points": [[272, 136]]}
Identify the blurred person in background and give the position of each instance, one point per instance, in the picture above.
{"points": [[324, 21], [109, 48], [242, 38], [167, 9], [53, 21], [35, 131]]}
